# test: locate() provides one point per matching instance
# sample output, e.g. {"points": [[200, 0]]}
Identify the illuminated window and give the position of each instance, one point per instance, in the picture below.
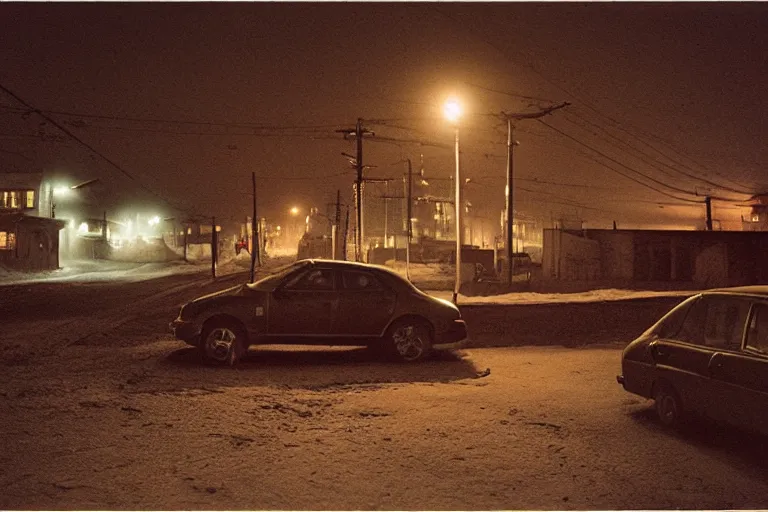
{"points": [[30, 199], [7, 241], [14, 196]]}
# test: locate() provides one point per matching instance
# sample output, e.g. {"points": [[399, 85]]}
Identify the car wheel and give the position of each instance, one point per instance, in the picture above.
{"points": [[668, 406], [410, 340], [223, 343]]}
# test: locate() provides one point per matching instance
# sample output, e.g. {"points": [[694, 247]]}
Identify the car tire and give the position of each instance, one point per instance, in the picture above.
{"points": [[409, 340], [223, 343], [668, 406]]}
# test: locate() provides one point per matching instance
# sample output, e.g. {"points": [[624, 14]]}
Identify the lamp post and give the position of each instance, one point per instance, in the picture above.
{"points": [[295, 224], [452, 111]]}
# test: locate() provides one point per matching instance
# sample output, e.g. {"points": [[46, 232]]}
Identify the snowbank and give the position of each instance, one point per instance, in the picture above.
{"points": [[611, 294]]}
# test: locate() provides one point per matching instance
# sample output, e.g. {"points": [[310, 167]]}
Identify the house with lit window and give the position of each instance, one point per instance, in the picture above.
{"points": [[28, 241]]}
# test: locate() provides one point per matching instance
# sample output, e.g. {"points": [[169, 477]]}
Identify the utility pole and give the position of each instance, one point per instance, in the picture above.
{"points": [[337, 225], [510, 176], [214, 245], [359, 164], [708, 203], [510, 198], [386, 215], [255, 240], [248, 237], [346, 231], [357, 161], [409, 231]]}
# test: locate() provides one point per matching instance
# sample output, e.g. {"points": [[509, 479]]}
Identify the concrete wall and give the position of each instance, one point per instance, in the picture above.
{"points": [[570, 257], [616, 256], [659, 259]]}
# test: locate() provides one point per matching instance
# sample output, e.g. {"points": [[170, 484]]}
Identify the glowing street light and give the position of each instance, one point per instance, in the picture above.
{"points": [[452, 111], [64, 191], [294, 211]]}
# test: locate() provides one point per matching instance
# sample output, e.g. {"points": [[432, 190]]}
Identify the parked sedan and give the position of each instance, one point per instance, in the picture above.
{"points": [[708, 355], [322, 302]]}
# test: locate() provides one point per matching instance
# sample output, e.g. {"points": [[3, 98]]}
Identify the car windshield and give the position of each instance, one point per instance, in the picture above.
{"points": [[276, 275]]}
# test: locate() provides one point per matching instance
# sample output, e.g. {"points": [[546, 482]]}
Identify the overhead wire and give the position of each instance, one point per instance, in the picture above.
{"points": [[92, 149], [677, 189], [684, 173], [587, 104]]}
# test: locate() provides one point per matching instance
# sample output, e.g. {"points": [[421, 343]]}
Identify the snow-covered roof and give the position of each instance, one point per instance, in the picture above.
{"points": [[20, 180]]}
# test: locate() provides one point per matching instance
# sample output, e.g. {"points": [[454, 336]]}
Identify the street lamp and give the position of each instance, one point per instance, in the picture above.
{"points": [[63, 191], [452, 112], [295, 224]]}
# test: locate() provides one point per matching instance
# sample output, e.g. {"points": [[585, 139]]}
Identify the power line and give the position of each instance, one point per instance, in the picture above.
{"points": [[89, 147], [628, 168], [313, 135], [689, 175], [532, 98], [570, 93], [187, 122]]}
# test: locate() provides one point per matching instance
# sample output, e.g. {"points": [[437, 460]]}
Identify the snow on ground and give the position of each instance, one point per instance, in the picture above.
{"points": [[438, 279], [422, 275], [108, 270], [611, 294]]}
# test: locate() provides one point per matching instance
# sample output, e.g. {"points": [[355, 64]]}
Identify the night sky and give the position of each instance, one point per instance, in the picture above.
{"points": [[189, 99]]}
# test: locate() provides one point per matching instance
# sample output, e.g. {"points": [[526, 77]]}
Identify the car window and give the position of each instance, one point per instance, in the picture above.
{"points": [[726, 318], [316, 279], [692, 328], [670, 326], [354, 280], [757, 332], [716, 322]]}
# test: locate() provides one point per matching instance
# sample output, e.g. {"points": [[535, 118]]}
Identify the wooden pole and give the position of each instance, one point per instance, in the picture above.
{"points": [[255, 242], [213, 247]]}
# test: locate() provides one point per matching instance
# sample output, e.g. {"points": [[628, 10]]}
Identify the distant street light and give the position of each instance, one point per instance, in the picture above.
{"points": [[452, 111], [64, 191], [295, 224]]}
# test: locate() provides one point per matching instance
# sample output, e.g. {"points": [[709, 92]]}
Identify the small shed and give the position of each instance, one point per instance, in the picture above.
{"points": [[29, 243]]}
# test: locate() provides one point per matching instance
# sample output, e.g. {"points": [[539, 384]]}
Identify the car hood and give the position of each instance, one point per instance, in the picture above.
{"points": [[235, 290]]}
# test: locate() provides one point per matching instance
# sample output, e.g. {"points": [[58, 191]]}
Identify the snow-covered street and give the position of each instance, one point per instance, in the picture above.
{"points": [[147, 426], [102, 409]]}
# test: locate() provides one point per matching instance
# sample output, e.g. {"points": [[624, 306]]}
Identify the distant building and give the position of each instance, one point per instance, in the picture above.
{"points": [[655, 259], [758, 216], [29, 238]]}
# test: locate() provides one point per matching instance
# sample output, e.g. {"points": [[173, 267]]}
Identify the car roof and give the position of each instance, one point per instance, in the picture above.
{"points": [[350, 265], [760, 289], [354, 265]]}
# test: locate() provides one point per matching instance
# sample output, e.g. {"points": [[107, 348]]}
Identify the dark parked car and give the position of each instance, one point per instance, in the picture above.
{"points": [[322, 302], [708, 355]]}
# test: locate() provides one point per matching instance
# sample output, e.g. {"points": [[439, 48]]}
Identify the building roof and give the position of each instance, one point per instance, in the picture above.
{"points": [[9, 220], [20, 180]]}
